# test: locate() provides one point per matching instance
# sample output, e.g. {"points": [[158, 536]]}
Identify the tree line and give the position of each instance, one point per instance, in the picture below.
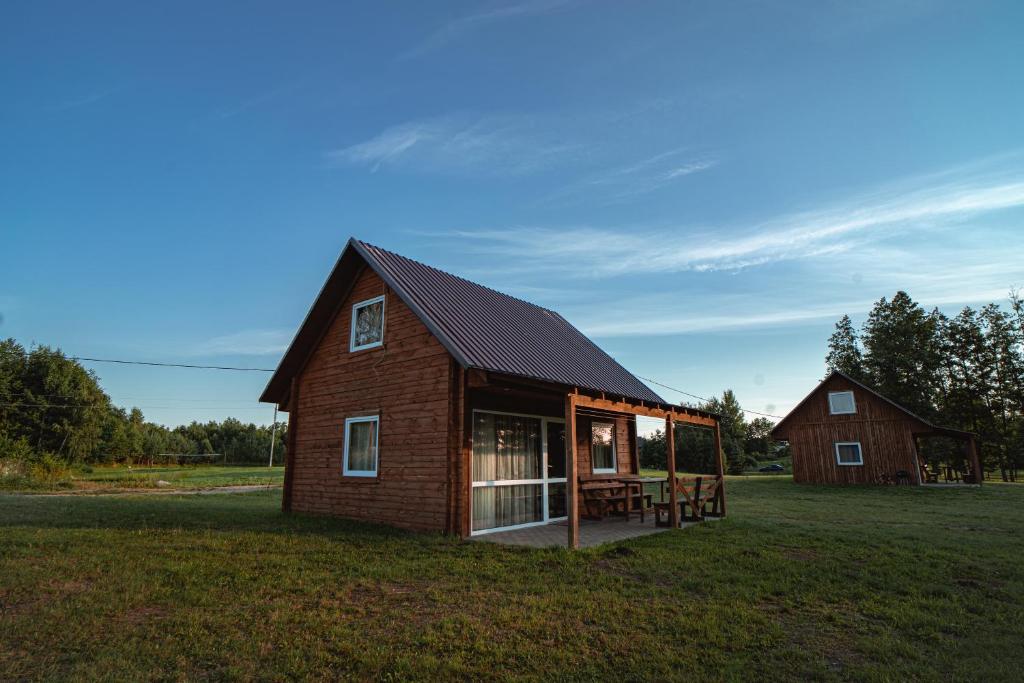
{"points": [[51, 406], [744, 444], [964, 372]]}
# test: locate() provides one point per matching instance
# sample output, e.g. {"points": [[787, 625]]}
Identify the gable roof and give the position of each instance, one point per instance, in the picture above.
{"points": [[480, 327], [873, 392]]}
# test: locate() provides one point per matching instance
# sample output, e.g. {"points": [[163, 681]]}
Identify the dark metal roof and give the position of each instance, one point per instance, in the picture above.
{"points": [[481, 328]]}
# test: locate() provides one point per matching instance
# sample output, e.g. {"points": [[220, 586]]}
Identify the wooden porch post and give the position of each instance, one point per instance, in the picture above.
{"points": [[919, 465], [972, 453], [572, 481], [289, 460], [720, 466], [670, 456]]}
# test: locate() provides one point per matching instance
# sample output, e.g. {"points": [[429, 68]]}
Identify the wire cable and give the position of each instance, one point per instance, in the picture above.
{"points": [[705, 400], [169, 365]]}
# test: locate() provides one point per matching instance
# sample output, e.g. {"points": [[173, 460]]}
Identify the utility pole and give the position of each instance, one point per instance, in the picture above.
{"points": [[273, 438]]}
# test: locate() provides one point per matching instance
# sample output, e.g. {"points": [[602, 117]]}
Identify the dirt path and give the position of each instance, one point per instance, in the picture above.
{"points": [[241, 488]]}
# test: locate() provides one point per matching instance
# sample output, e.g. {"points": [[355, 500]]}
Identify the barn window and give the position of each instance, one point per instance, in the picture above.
{"points": [[360, 459], [841, 403], [848, 453], [602, 447], [367, 324]]}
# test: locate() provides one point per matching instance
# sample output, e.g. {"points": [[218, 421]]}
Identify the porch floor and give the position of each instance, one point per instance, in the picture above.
{"points": [[592, 533]]}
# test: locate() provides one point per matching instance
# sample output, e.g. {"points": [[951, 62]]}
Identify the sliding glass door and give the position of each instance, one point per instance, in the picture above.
{"points": [[518, 470]]}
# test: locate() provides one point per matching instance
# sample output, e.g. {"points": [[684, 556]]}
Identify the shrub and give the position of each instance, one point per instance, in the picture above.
{"points": [[50, 471], [15, 449]]}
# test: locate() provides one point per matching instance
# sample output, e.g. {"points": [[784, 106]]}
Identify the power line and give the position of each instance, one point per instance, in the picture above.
{"points": [[705, 400], [98, 405], [169, 365], [238, 369]]}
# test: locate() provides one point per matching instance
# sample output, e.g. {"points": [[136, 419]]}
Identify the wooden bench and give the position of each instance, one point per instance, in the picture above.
{"points": [[694, 495], [603, 496]]}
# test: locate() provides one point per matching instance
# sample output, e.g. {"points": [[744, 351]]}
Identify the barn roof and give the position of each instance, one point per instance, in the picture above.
{"points": [[480, 327], [873, 392]]}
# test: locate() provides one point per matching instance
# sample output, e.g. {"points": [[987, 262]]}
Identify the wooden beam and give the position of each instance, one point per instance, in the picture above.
{"points": [[466, 456], [679, 414], [289, 461], [456, 413], [634, 445], [572, 481], [972, 453], [477, 378], [918, 465], [720, 467], [670, 457]]}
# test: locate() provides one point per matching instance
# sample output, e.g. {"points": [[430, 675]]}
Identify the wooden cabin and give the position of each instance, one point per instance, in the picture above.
{"points": [[422, 400], [844, 432]]}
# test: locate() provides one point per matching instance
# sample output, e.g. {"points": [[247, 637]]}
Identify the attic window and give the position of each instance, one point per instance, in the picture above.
{"points": [[367, 324], [841, 403]]}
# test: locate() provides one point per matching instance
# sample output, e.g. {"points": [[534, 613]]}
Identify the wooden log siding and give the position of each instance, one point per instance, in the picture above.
{"points": [[407, 382], [885, 434]]}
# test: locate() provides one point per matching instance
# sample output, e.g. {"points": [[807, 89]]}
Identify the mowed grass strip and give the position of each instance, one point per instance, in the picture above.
{"points": [[799, 583], [185, 477]]}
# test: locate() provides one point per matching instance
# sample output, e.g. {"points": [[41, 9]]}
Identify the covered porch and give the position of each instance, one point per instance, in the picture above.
{"points": [[965, 469], [548, 465], [592, 533]]}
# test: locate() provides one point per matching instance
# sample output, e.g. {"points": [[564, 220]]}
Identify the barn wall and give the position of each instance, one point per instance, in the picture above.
{"points": [[406, 382], [884, 432]]}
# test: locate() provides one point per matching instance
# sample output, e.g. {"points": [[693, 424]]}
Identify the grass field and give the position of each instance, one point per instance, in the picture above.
{"points": [[799, 583], [100, 479], [201, 476]]}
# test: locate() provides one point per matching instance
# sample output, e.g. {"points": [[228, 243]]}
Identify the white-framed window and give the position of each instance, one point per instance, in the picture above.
{"points": [[848, 453], [361, 449], [367, 324], [602, 447], [518, 471], [841, 403]]}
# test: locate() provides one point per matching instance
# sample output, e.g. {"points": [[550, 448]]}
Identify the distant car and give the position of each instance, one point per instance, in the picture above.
{"points": [[774, 467]]}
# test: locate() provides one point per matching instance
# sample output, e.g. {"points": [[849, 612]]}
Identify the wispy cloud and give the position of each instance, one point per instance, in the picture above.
{"points": [[255, 101], [245, 343], [836, 229], [83, 100], [658, 316], [461, 26], [494, 145], [640, 177]]}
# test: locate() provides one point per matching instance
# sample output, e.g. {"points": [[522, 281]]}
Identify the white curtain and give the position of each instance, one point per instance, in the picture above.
{"points": [[506, 447], [497, 506], [362, 446]]}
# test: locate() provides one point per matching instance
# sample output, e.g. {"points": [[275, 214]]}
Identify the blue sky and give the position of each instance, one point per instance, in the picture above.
{"points": [[704, 188]]}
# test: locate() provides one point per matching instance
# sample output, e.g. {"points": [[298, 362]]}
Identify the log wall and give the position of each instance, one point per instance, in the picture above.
{"points": [[885, 434], [407, 382]]}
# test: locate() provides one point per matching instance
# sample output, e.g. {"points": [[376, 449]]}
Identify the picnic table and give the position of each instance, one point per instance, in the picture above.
{"points": [[615, 493]]}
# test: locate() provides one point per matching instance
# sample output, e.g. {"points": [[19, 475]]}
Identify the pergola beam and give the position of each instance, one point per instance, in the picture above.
{"points": [[676, 413]]}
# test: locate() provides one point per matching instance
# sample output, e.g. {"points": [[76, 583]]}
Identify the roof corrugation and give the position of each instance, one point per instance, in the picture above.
{"points": [[492, 331]]}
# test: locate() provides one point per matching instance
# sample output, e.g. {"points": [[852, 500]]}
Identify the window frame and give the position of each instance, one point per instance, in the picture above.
{"points": [[615, 456], [860, 454], [345, 470], [352, 323], [853, 402], [544, 482]]}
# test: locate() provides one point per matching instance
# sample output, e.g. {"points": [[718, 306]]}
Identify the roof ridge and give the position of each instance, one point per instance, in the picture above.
{"points": [[457, 277]]}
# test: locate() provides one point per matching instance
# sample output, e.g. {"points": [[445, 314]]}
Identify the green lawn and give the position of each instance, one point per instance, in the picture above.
{"points": [[186, 477], [799, 583]]}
